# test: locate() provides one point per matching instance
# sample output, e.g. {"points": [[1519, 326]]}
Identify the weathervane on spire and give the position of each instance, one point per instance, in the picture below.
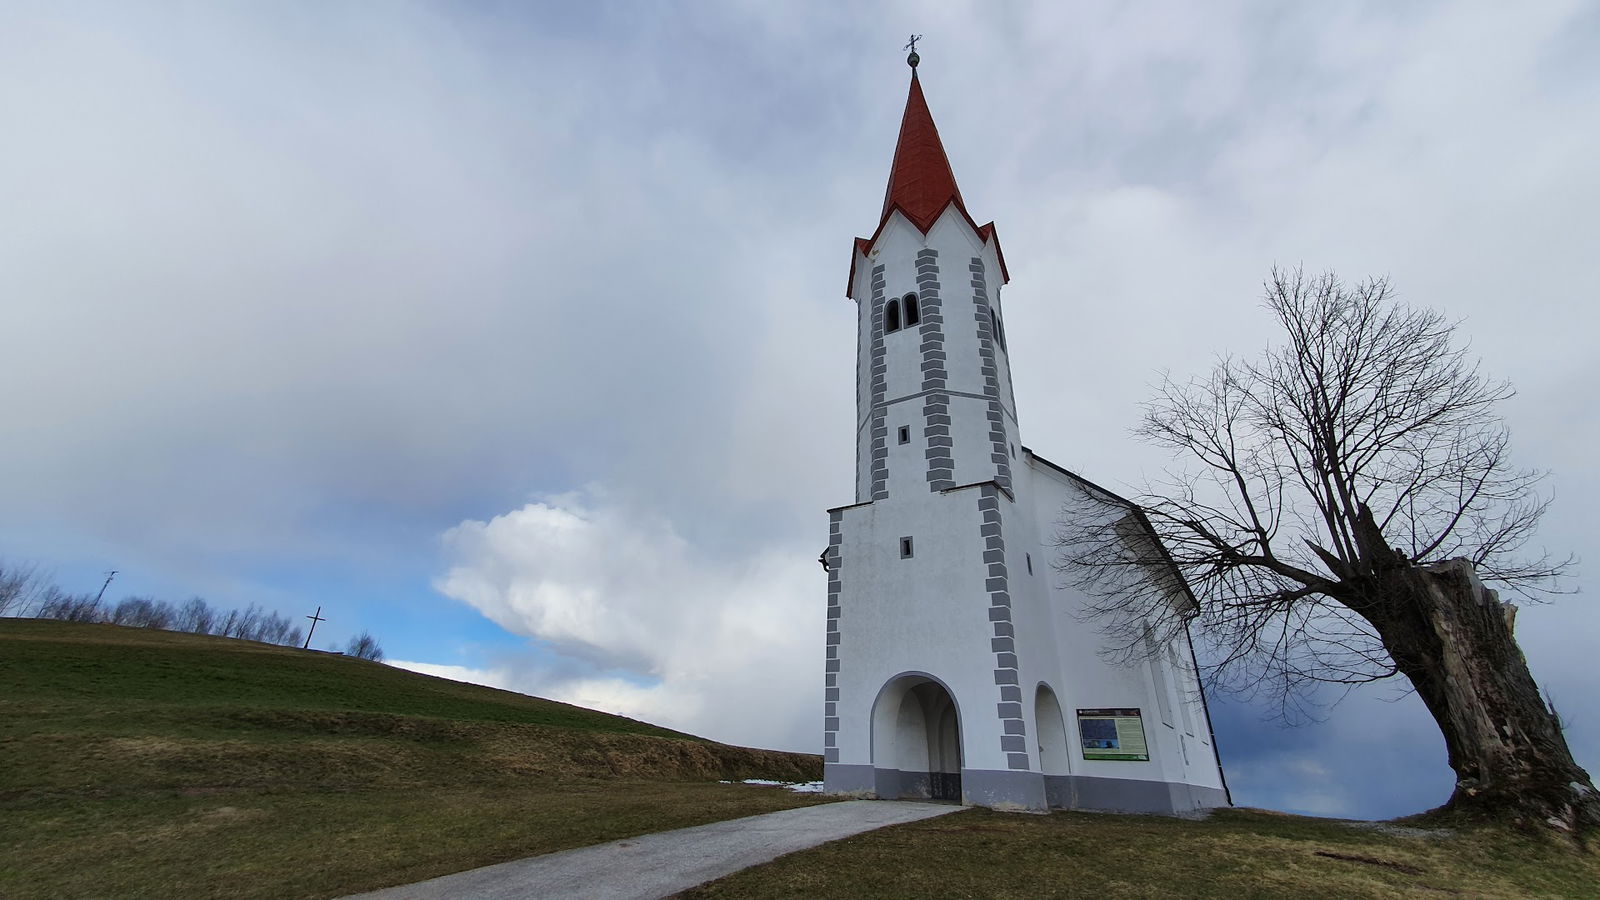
{"points": [[911, 45]]}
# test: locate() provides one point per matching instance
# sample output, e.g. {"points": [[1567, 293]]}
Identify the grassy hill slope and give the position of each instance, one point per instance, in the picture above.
{"points": [[136, 761]]}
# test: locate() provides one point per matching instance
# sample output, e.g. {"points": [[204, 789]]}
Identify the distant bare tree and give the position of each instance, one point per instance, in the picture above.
{"points": [[143, 612], [160, 615], [194, 616], [1354, 485], [247, 626], [276, 629], [125, 612], [52, 603], [20, 588], [226, 624], [81, 608], [271, 628], [364, 646]]}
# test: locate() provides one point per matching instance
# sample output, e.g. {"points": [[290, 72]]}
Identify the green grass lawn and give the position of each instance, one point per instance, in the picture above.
{"points": [[1235, 854], [137, 762]]}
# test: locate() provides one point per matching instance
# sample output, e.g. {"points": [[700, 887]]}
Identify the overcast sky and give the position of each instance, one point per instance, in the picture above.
{"points": [[515, 333]]}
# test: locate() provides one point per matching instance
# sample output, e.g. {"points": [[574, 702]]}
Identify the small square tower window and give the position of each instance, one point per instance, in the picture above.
{"points": [[905, 434], [905, 548]]}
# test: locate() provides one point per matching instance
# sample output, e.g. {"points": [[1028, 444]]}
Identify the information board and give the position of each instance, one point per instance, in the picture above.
{"points": [[1112, 734]]}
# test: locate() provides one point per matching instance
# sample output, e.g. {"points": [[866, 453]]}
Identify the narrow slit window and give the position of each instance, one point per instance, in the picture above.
{"points": [[994, 322], [905, 434], [1029, 558], [891, 317], [909, 301], [905, 548]]}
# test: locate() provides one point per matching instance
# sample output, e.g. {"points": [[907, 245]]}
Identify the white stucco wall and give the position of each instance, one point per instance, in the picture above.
{"points": [[925, 614], [896, 250], [1089, 680]]}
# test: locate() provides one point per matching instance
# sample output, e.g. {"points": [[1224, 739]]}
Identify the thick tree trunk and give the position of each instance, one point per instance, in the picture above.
{"points": [[1453, 638]]}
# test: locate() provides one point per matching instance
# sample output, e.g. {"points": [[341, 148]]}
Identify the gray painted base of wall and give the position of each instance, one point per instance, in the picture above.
{"points": [[849, 781], [1028, 790], [1130, 795], [998, 789]]}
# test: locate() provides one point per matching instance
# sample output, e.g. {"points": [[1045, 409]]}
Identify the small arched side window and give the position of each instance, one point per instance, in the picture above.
{"points": [[909, 301], [891, 317]]}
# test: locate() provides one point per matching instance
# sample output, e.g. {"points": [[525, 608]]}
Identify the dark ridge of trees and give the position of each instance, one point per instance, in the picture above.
{"points": [[26, 593]]}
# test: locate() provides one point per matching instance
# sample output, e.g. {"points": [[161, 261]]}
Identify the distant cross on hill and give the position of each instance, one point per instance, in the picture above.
{"points": [[109, 575], [315, 618]]}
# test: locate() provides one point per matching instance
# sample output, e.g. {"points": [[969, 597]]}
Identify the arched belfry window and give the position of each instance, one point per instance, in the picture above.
{"points": [[999, 331], [891, 317], [909, 301]]}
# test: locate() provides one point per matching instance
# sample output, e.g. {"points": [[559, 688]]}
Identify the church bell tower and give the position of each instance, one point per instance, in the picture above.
{"points": [[946, 640]]}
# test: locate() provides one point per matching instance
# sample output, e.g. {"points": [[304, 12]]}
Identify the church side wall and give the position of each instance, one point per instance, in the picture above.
{"points": [[1035, 616], [1183, 759]]}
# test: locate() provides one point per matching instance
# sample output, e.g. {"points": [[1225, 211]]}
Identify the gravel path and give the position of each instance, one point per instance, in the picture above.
{"points": [[657, 865]]}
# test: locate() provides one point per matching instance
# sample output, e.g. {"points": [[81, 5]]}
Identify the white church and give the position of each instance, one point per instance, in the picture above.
{"points": [[957, 666]]}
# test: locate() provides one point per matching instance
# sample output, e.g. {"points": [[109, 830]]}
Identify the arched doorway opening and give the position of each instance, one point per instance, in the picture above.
{"points": [[1055, 759], [916, 740]]}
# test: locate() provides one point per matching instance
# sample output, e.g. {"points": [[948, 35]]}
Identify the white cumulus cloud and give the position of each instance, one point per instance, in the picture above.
{"points": [[642, 622]]}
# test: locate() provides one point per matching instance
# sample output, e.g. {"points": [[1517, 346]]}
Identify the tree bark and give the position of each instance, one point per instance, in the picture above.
{"points": [[1452, 637]]}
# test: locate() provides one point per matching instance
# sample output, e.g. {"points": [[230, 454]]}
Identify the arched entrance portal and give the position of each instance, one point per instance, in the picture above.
{"points": [[916, 740]]}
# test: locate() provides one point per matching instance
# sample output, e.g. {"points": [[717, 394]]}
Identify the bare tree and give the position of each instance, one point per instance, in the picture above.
{"points": [[276, 629], [194, 616], [81, 608], [364, 646], [226, 624], [1353, 486], [21, 587], [142, 612], [247, 626], [52, 603]]}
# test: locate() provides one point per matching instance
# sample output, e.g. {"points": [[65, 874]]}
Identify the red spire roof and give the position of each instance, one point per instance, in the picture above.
{"points": [[921, 182]]}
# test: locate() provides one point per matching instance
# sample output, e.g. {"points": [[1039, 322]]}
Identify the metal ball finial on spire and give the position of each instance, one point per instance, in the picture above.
{"points": [[911, 45]]}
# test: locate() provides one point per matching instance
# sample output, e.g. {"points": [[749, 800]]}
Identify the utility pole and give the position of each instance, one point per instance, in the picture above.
{"points": [[109, 575], [315, 618]]}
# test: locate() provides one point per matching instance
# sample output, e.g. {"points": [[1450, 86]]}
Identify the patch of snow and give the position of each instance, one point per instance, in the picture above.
{"points": [[799, 787]]}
